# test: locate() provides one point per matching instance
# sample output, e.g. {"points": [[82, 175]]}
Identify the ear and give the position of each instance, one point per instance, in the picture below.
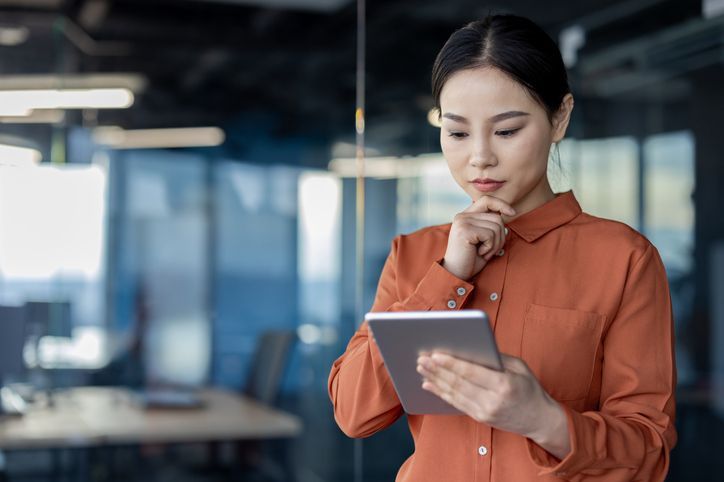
{"points": [[561, 118]]}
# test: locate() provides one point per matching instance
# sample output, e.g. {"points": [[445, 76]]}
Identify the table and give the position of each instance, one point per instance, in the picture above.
{"points": [[106, 416]]}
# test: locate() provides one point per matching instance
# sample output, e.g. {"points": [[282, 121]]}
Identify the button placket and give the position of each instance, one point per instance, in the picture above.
{"points": [[490, 285], [483, 445]]}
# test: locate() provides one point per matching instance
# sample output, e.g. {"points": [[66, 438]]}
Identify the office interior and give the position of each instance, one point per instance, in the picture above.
{"points": [[184, 244]]}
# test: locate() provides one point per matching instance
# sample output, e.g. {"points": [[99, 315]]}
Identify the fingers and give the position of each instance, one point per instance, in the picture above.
{"points": [[514, 364], [495, 226], [510, 400], [487, 204], [456, 374], [455, 398], [484, 228]]}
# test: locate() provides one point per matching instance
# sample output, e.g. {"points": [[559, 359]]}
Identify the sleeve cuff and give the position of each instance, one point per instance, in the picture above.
{"points": [[549, 464], [441, 290]]}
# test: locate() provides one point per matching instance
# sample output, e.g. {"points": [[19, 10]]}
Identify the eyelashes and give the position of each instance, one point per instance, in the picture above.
{"points": [[507, 132], [502, 133]]}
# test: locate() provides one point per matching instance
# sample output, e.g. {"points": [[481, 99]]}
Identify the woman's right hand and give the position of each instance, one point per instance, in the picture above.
{"points": [[475, 236]]}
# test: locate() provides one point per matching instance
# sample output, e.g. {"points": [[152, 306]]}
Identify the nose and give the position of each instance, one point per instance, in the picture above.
{"points": [[482, 155]]}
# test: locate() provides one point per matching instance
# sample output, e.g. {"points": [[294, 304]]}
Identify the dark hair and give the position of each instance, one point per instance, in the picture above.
{"points": [[512, 44]]}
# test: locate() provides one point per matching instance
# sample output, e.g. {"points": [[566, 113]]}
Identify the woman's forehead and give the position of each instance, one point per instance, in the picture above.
{"points": [[484, 90]]}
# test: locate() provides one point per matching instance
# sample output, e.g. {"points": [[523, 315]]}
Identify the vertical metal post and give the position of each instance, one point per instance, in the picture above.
{"points": [[211, 213], [360, 194]]}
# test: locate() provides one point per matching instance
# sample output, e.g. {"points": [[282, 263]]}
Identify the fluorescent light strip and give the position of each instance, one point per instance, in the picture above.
{"points": [[19, 156], [134, 82], [14, 102], [119, 138], [41, 116], [378, 167]]}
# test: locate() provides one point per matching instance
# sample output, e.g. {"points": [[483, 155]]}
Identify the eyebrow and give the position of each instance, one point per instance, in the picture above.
{"points": [[496, 118]]}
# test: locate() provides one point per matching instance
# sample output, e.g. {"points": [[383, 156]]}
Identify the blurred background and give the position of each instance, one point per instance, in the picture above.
{"points": [[179, 263]]}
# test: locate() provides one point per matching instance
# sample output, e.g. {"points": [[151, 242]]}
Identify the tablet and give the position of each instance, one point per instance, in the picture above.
{"points": [[403, 336]]}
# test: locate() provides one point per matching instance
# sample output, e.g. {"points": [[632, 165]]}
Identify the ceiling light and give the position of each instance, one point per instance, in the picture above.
{"points": [[42, 116], [571, 40], [315, 5], [14, 101], [19, 156], [377, 167], [433, 117], [119, 138], [134, 82], [14, 111], [11, 35]]}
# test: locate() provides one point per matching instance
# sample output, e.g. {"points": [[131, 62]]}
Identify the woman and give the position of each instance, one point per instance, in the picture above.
{"points": [[580, 305]]}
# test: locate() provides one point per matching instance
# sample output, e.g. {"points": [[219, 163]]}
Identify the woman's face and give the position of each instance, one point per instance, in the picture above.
{"points": [[496, 138]]}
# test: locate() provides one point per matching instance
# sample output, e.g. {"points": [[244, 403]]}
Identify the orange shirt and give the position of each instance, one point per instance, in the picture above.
{"points": [[584, 301]]}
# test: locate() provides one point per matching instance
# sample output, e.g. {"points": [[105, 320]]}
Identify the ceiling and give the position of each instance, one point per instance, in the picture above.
{"points": [[215, 62]]}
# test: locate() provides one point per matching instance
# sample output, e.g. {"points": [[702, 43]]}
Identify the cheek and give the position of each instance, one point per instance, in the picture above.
{"points": [[453, 151], [456, 160], [527, 153]]}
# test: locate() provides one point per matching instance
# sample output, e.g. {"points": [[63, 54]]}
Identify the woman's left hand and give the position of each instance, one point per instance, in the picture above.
{"points": [[511, 400]]}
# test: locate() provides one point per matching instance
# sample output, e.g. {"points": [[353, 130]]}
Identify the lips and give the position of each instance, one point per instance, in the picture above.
{"points": [[487, 185]]}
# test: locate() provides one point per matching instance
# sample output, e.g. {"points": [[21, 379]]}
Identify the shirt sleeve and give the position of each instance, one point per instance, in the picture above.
{"points": [[630, 437], [360, 388]]}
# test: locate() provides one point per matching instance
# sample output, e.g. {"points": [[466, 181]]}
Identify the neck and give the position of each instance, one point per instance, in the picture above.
{"points": [[540, 195]]}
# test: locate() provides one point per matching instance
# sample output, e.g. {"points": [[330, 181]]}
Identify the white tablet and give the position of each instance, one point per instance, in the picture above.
{"points": [[403, 336]]}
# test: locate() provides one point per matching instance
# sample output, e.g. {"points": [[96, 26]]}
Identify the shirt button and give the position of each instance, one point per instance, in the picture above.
{"points": [[451, 304], [461, 291], [501, 252], [506, 231], [493, 297], [483, 450]]}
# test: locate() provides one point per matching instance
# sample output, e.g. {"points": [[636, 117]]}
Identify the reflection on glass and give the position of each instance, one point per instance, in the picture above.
{"points": [[165, 261], [603, 174], [255, 267], [669, 209], [669, 224]]}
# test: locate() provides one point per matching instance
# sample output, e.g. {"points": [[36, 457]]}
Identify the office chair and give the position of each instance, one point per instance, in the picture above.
{"points": [[268, 365], [263, 383], [12, 341]]}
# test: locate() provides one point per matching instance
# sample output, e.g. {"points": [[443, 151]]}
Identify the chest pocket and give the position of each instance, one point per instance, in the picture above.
{"points": [[559, 345]]}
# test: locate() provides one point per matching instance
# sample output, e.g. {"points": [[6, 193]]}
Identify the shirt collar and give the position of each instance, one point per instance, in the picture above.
{"points": [[558, 211]]}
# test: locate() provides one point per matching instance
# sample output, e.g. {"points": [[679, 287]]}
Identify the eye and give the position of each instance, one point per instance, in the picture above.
{"points": [[458, 135], [507, 133]]}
